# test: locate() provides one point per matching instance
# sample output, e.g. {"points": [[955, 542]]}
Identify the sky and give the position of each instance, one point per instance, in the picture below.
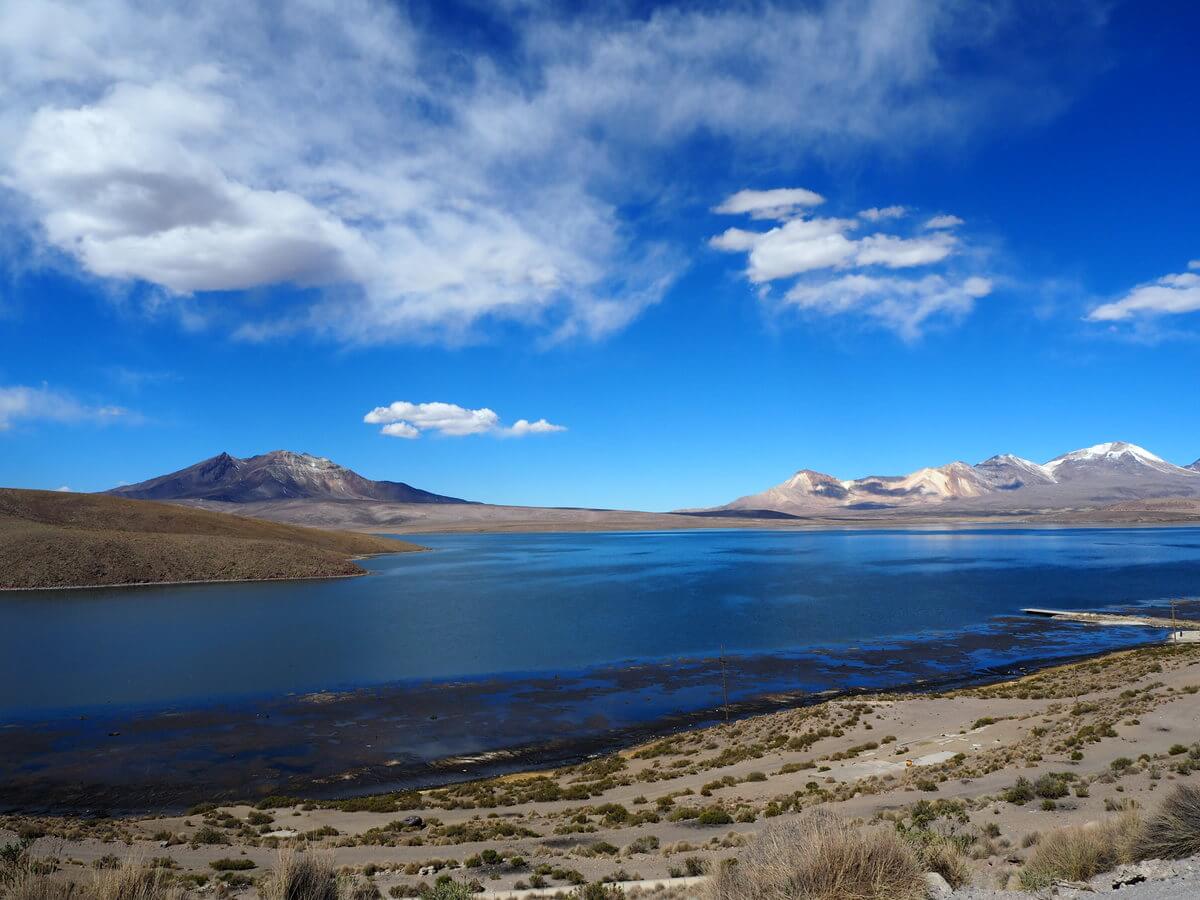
{"points": [[644, 256]]}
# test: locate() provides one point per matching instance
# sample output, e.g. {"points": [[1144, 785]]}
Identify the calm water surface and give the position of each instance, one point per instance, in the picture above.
{"points": [[485, 605]]}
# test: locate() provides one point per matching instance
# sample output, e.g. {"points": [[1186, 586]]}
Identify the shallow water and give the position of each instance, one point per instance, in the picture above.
{"points": [[560, 641], [487, 604]]}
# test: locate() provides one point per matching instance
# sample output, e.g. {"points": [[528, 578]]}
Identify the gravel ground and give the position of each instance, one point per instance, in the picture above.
{"points": [[1153, 880]]}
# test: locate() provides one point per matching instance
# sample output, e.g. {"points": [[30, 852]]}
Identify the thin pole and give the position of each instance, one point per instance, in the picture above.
{"points": [[724, 685], [1174, 627]]}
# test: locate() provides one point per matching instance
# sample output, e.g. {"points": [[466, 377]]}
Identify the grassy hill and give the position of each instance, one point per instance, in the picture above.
{"points": [[53, 539]]}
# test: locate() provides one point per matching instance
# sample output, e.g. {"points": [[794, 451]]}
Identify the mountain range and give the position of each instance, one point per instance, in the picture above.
{"points": [[278, 475], [1106, 473]]}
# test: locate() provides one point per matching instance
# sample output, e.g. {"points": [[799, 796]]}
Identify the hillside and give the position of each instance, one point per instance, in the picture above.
{"points": [[52, 539]]}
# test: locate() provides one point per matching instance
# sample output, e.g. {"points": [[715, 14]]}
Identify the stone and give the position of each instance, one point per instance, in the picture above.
{"points": [[936, 887]]}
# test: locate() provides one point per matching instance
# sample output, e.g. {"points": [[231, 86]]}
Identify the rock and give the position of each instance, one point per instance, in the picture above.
{"points": [[936, 887], [412, 822]]}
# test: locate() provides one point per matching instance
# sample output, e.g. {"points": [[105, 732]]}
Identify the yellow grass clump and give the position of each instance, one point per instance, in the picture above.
{"points": [[1174, 831], [819, 856], [1081, 852]]}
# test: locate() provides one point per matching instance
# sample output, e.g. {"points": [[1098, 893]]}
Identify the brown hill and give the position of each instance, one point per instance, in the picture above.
{"points": [[54, 539]]}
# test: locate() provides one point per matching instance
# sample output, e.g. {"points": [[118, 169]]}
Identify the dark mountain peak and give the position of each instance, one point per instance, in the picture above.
{"points": [[276, 475]]}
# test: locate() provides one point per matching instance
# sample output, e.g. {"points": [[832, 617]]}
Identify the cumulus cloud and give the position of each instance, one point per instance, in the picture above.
{"points": [[410, 420], [23, 403], [1194, 264], [1169, 295], [421, 190], [938, 222], [814, 250], [878, 214]]}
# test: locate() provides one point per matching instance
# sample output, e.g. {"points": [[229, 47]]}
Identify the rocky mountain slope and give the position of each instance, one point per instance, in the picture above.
{"points": [[1094, 476], [278, 475]]}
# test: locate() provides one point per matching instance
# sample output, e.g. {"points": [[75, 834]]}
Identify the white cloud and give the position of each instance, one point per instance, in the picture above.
{"points": [[426, 188], [902, 253], [1194, 264], [902, 305], [401, 430], [939, 222], [800, 245], [22, 403], [410, 420], [815, 248], [523, 427], [879, 214], [779, 203], [64, 489], [1169, 295]]}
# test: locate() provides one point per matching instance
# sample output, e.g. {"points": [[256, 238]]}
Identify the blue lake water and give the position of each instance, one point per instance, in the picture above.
{"points": [[500, 652], [479, 605]]}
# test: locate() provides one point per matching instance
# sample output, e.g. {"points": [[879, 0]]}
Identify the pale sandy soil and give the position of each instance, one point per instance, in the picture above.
{"points": [[960, 750]]}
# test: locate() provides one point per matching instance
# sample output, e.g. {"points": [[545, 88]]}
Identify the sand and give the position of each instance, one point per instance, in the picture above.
{"points": [[871, 757]]}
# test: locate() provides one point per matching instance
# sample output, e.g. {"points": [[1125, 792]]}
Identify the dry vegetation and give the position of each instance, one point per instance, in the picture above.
{"points": [[52, 539], [818, 856], [1054, 777]]}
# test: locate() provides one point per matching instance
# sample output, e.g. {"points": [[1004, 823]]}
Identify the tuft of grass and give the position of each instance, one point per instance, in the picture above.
{"points": [[300, 876], [1174, 831], [1081, 852], [820, 856]]}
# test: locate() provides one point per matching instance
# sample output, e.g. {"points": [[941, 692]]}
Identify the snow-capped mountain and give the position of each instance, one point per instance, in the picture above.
{"points": [[1113, 457], [1105, 473], [278, 475], [1008, 473]]}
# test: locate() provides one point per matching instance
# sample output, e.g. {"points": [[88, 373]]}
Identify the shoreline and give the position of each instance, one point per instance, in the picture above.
{"points": [[201, 581], [366, 779], [1094, 737]]}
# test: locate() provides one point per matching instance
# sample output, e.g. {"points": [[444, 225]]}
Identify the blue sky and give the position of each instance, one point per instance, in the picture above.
{"points": [[648, 257]]}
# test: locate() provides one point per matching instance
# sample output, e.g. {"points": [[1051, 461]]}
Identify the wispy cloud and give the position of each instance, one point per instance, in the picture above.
{"points": [[1169, 295], [424, 192], [940, 222], [410, 420], [879, 214], [817, 250], [23, 403]]}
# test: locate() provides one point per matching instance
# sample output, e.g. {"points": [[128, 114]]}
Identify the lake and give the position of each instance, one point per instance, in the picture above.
{"points": [[527, 640]]}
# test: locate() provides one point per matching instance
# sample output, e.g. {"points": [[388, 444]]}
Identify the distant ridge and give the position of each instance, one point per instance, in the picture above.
{"points": [[1112, 472], [278, 475]]}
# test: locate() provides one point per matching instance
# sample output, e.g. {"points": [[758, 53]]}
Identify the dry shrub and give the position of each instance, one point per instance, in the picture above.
{"points": [[29, 884], [1081, 852], [25, 879], [818, 856], [1174, 831], [134, 881], [301, 876], [945, 858]]}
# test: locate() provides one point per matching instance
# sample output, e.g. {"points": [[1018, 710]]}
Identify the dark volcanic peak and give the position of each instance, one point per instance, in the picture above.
{"points": [[278, 475]]}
